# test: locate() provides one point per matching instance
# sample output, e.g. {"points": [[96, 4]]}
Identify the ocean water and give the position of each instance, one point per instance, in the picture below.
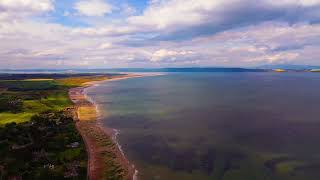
{"points": [[233, 125]]}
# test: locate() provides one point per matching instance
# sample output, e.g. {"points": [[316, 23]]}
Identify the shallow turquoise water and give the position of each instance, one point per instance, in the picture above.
{"points": [[217, 125]]}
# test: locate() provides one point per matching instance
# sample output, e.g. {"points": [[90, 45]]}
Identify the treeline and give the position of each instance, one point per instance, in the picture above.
{"points": [[48, 76]]}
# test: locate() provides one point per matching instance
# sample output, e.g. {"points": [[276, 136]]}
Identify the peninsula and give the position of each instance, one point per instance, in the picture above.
{"points": [[48, 127]]}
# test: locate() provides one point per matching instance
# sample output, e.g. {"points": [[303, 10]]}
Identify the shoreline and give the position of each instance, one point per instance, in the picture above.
{"points": [[87, 124]]}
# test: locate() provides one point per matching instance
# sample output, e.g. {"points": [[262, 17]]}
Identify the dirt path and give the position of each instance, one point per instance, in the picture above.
{"points": [[104, 156]]}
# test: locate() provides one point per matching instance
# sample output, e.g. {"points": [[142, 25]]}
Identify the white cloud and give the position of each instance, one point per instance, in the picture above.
{"points": [[172, 15], [27, 5], [164, 54], [52, 45], [282, 57], [29, 42], [17, 9], [310, 2], [295, 2], [163, 14], [93, 7], [128, 10], [105, 46], [104, 31]]}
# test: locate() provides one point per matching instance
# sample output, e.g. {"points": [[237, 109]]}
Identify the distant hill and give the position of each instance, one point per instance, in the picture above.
{"points": [[191, 69], [288, 66]]}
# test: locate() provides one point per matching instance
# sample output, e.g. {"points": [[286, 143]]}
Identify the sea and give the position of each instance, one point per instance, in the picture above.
{"points": [[216, 125]]}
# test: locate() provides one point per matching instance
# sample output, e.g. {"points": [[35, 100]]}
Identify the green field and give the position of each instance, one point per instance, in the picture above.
{"points": [[28, 85], [39, 95], [6, 118], [36, 96], [80, 81]]}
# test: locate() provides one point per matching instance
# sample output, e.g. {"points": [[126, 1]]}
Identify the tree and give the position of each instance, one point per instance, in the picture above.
{"points": [[11, 104]]}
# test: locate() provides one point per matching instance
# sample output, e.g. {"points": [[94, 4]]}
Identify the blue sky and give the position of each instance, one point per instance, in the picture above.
{"points": [[158, 33]]}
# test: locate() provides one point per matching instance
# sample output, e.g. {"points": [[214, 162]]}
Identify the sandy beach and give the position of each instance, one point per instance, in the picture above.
{"points": [[101, 142]]}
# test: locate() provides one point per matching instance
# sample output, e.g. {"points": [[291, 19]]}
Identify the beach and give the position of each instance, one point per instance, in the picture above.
{"points": [[104, 152]]}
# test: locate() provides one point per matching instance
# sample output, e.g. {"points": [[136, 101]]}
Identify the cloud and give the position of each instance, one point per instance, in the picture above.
{"points": [[171, 55], [166, 33], [183, 19], [104, 31], [295, 2], [164, 14], [105, 46], [27, 5], [93, 7], [128, 10], [16, 9], [262, 44], [52, 45], [282, 57]]}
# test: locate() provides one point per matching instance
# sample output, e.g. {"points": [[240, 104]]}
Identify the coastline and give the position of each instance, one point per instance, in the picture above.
{"points": [[95, 135]]}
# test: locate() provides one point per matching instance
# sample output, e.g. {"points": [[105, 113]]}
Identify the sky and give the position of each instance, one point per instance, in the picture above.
{"points": [[158, 33]]}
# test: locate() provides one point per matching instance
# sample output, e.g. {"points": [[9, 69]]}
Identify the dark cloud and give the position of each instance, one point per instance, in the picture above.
{"points": [[242, 14]]}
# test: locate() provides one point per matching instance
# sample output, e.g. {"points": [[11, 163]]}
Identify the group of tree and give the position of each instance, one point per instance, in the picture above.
{"points": [[47, 146], [11, 104]]}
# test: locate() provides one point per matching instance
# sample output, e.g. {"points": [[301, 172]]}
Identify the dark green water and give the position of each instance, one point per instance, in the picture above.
{"points": [[217, 125]]}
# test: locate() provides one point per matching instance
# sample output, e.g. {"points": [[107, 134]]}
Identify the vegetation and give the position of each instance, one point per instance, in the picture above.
{"points": [[87, 113], [20, 106], [10, 104], [38, 138], [28, 85], [80, 81], [47, 146], [112, 168], [22, 98], [315, 70], [279, 70]]}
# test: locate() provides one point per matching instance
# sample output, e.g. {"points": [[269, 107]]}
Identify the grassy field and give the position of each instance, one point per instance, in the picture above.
{"points": [[39, 95], [56, 101], [80, 81], [28, 85], [6, 118], [87, 113]]}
